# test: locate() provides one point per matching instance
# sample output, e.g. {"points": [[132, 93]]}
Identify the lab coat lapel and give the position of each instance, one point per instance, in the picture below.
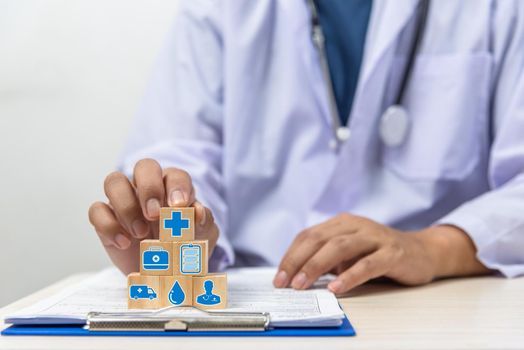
{"points": [[348, 179], [388, 18], [311, 59]]}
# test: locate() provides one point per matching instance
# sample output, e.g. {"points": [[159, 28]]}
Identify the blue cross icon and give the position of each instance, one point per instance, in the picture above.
{"points": [[176, 224]]}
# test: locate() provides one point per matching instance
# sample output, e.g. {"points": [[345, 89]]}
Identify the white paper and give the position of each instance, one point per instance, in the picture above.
{"points": [[250, 289]]}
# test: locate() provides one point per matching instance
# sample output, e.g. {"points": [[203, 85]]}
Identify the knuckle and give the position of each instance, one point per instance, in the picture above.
{"points": [[112, 179], [149, 189], [289, 264], [397, 250], [344, 216], [303, 235], [128, 210], [312, 237], [106, 226], [395, 246], [312, 268], [339, 243], [367, 264]]}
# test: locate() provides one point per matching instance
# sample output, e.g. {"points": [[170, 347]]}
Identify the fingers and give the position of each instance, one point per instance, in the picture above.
{"points": [[179, 188], [336, 251], [149, 184], [107, 227], [369, 267], [304, 247], [126, 207], [205, 225], [201, 216], [155, 187], [134, 209]]}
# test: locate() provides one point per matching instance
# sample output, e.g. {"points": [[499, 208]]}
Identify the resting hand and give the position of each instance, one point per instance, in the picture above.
{"points": [[133, 208], [358, 249]]}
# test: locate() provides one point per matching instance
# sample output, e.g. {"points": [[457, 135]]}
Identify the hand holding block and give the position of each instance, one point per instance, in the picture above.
{"points": [[210, 292], [177, 224], [176, 290], [156, 258], [190, 258], [143, 291]]}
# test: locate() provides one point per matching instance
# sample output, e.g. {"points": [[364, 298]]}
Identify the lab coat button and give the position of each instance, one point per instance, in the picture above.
{"points": [[343, 133]]}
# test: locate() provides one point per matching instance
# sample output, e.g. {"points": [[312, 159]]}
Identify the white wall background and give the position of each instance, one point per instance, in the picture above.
{"points": [[71, 76]]}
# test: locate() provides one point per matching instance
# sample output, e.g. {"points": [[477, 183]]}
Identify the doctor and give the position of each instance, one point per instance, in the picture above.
{"points": [[313, 172]]}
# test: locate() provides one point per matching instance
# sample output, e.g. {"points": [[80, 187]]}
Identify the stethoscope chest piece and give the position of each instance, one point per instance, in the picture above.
{"points": [[394, 126]]}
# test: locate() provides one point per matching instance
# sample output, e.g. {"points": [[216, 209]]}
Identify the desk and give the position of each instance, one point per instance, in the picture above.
{"points": [[476, 313]]}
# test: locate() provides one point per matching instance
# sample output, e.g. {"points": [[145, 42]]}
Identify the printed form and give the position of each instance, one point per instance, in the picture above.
{"points": [[250, 289]]}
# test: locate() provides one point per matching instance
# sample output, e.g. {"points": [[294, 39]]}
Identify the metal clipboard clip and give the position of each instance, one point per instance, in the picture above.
{"points": [[158, 321]]}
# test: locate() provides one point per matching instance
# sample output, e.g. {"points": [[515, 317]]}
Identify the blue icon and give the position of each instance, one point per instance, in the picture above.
{"points": [[176, 294], [142, 292], [155, 258], [176, 224], [208, 298], [190, 258]]}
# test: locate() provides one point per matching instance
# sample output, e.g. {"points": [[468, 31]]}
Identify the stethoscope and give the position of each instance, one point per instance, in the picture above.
{"points": [[394, 123]]}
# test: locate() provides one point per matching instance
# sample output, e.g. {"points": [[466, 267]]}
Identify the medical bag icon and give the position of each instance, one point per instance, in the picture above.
{"points": [[174, 267], [190, 258], [155, 258]]}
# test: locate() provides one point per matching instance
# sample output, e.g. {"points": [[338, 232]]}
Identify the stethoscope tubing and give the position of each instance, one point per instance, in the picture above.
{"points": [[415, 47], [341, 133]]}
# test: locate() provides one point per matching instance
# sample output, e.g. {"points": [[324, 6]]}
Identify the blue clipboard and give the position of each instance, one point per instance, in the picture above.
{"points": [[344, 330]]}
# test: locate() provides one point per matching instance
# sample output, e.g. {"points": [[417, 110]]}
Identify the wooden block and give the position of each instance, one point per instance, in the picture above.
{"points": [[190, 258], [143, 292], [176, 290], [210, 292], [177, 224], [156, 258]]}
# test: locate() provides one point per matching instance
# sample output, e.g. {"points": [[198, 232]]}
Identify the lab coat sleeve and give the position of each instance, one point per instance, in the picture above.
{"points": [[495, 220], [179, 123]]}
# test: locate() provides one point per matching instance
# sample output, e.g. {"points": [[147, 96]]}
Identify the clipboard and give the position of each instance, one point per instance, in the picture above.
{"points": [[207, 323], [344, 330]]}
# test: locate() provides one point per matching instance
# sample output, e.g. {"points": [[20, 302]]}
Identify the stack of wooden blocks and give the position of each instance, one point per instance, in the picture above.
{"points": [[174, 269]]}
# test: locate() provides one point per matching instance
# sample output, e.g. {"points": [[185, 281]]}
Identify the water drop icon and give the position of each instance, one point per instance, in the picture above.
{"points": [[176, 294]]}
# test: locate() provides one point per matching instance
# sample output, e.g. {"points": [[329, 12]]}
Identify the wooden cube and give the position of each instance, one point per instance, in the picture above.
{"points": [[210, 292], [176, 290], [177, 224], [143, 292], [190, 258], [156, 258]]}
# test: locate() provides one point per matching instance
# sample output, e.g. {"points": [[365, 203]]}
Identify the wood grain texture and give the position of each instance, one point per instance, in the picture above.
{"points": [[166, 286], [143, 292], [166, 214], [180, 253], [210, 291], [150, 247]]}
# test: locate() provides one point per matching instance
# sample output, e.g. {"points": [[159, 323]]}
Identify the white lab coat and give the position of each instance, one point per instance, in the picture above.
{"points": [[238, 100]]}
